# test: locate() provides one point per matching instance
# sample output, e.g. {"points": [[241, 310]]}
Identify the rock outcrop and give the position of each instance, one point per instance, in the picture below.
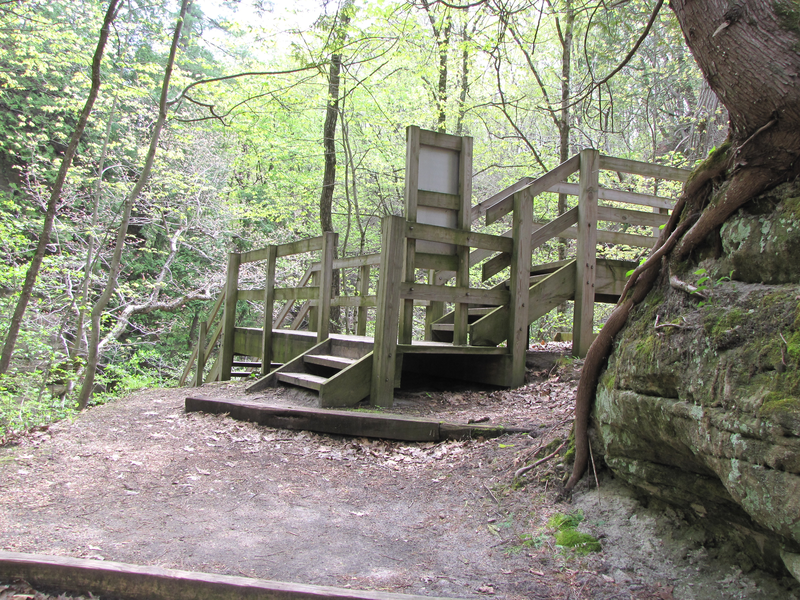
{"points": [[700, 402]]}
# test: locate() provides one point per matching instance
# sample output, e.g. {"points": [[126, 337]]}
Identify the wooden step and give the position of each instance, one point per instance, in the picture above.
{"points": [[327, 360], [442, 326], [246, 363], [312, 382]]}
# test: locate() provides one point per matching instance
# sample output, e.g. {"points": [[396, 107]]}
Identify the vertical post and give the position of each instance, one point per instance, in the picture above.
{"points": [[329, 240], [229, 316], [384, 353], [464, 223], [411, 191], [313, 311], [269, 308], [363, 292], [519, 281], [586, 258], [201, 354]]}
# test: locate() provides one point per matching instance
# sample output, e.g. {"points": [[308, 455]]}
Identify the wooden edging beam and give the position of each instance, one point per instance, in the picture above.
{"points": [[352, 423], [133, 582]]}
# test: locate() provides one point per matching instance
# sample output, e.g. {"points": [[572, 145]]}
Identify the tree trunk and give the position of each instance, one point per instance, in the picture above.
{"points": [[55, 194], [747, 55], [114, 267]]}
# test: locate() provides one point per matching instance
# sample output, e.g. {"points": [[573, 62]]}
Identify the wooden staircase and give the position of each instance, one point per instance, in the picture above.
{"points": [[551, 284], [339, 370]]}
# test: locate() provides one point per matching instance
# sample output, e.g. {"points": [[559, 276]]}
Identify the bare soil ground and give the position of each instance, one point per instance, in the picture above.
{"points": [[140, 481]]}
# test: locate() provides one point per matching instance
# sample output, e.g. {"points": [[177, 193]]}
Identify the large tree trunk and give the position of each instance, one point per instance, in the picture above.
{"points": [[747, 52]]}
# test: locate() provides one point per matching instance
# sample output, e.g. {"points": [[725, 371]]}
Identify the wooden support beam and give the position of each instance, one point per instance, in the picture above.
{"points": [[444, 293], [634, 167], [387, 319], [560, 173], [343, 422], [363, 291], [313, 311], [110, 579], [269, 308], [458, 237], [573, 189], [229, 316], [463, 222], [586, 254], [201, 354], [413, 135], [518, 285], [329, 241]]}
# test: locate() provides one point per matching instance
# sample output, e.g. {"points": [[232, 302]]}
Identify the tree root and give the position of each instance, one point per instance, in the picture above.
{"points": [[744, 185]]}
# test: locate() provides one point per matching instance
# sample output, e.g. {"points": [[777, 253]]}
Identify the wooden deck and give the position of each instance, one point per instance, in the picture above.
{"points": [[473, 332]]}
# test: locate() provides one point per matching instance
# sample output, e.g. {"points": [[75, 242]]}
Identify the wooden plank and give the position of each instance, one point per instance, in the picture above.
{"points": [[472, 239], [363, 291], [269, 309], [412, 175], [444, 348], [301, 246], [464, 220], [354, 301], [229, 315], [298, 320], [110, 579], [439, 140], [612, 237], [327, 360], [306, 380], [542, 184], [519, 276], [631, 217], [201, 355], [352, 262], [480, 209], [573, 189], [437, 262], [329, 242], [442, 293], [586, 253], [635, 167], [350, 385], [438, 200], [387, 318], [301, 293]]}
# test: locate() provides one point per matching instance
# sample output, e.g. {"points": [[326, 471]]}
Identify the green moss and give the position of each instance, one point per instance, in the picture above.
{"points": [[569, 455], [788, 12], [718, 321], [791, 207], [581, 543], [717, 156], [569, 521]]}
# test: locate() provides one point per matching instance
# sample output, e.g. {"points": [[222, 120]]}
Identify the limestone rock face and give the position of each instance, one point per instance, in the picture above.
{"points": [[700, 402]]}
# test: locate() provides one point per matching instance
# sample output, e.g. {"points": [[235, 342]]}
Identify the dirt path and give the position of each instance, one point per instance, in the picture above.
{"points": [[140, 481]]}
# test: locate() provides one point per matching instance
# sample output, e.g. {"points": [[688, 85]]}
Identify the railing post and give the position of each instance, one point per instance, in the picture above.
{"points": [[519, 282], [363, 292], [229, 316], [586, 257], [387, 320], [269, 307], [434, 311], [201, 354], [464, 223], [329, 240]]}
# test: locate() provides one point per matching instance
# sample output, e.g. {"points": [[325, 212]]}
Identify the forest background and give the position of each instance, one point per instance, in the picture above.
{"points": [[279, 124]]}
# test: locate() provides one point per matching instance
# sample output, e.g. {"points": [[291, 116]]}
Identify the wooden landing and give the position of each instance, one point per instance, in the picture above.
{"points": [[131, 582], [352, 423]]}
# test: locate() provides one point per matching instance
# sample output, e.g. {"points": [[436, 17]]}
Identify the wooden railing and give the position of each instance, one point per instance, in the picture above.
{"points": [[399, 291]]}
